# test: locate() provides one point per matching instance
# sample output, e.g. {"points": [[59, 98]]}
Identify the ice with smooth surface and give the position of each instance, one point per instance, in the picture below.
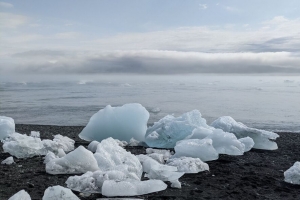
{"points": [[292, 175], [21, 195], [196, 148], [8, 161], [248, 142], [131, 187], [110, 154], [188, 165], [59, 193], [35, 134], [7, 126], [168, 130], [23, 146], [59, 142], [93, 146], [123, 123], [78, 161], [262, 139]]}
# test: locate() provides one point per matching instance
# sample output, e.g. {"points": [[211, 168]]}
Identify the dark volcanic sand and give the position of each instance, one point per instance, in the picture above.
{"points": [[256, 175]]}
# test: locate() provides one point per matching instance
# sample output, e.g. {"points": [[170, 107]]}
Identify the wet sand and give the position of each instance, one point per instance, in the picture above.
{"points": [[257, 174]]}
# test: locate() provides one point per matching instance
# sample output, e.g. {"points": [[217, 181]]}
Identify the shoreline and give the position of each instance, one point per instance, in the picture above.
{"points": [[258, 174]]}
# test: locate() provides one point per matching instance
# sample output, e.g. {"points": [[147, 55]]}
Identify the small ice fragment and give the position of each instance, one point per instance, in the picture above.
{"points": [[188, 165], [123, 123], [59, 141], [8, 161], [21, 195], [113, 188], [93, 146], [35, 134], [133, 142], [248, 142], [59, 193], [175, 184], [60, 153], [7, 126], [166, 153], [292, 175], [49, 156]]}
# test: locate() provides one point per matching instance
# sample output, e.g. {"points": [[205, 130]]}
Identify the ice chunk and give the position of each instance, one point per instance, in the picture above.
{"points": [[166, 153], [262, 139], [168, 130], [248, 142], [133, 142], [200, 133], [292, 175], [61, 153], [131, 187], [59, 142], [8, 161], [59, 193], [158, 157], [123, 123], [78, 161], [21, 195], [188, 164], [175, 184], [110, 155], [35, 134], [93, 146], [49, 156], [23, 146], [196, 148], [7, 126]]}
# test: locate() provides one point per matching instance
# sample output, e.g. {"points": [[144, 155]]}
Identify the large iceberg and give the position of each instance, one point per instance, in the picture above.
{"points": [[131, 188], [7, 126], [292, 175], [262, 139], [78, 161], [196, 148], [168, 130], [21, 195], [188, 164], [59, 193], [123, 123]]}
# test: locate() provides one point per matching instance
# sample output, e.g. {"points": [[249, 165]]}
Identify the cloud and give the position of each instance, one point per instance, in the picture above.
{"points": [[203, 6], [9, 20], [6, 5], [67, 35]]}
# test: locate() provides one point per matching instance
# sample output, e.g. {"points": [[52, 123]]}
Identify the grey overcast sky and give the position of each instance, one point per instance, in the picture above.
{"points": [[150, 36]]}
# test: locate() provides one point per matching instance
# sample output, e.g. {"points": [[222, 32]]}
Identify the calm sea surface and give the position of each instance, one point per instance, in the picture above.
{"points": [[267, 102]]}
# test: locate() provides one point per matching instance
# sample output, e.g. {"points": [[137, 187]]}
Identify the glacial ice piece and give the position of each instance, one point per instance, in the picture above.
{"points": [[59, 142], [166, 153], [292, 175], [8, 161], [188, 164], [168, 130], [49, 156], [200, 133], [35, 134], [262, 139], [133, 142], [78, 161], [93, 146], [59, 193], [7, 126], [23, 146], [110, 155], [196, 148], [176, 184], [248, 142], [158, 157], [113, 188], [123, 123], [21, 195]]}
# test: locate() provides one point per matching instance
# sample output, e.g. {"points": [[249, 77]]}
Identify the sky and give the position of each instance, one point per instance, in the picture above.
{"points": [[149, 36]]}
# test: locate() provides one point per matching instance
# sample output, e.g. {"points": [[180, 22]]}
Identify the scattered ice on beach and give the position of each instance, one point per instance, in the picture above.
{"points": [[261, 138], [188, 164], [59, 193], [59, 142], [21, 195], [123, 123], [292, 175], [78, 161], [110, 155], [114, 188], [168, 130], [23, 146], [35, 134], [248, 142], [196, 148], [7, 126], [8, 161]]}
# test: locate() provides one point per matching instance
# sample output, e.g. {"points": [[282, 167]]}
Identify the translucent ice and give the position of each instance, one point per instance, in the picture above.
{"points": [[21, 195], [168, 130], [8, 161], [59, 193], [292, 175], [7, 126], [196, 148], [248, 142], [78, 161], [262, 139], [93, 146], [123, 123], [114, 188], [110, 155], [188, 164]]}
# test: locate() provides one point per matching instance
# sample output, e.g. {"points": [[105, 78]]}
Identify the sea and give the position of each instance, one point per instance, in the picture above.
{"points": [[264, 102]]}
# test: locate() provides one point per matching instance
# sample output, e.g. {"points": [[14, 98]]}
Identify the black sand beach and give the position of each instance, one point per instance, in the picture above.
{"points": [[257, 174]]}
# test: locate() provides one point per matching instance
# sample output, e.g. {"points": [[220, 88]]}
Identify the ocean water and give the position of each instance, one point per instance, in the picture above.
{"points": [[267, 102]]}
